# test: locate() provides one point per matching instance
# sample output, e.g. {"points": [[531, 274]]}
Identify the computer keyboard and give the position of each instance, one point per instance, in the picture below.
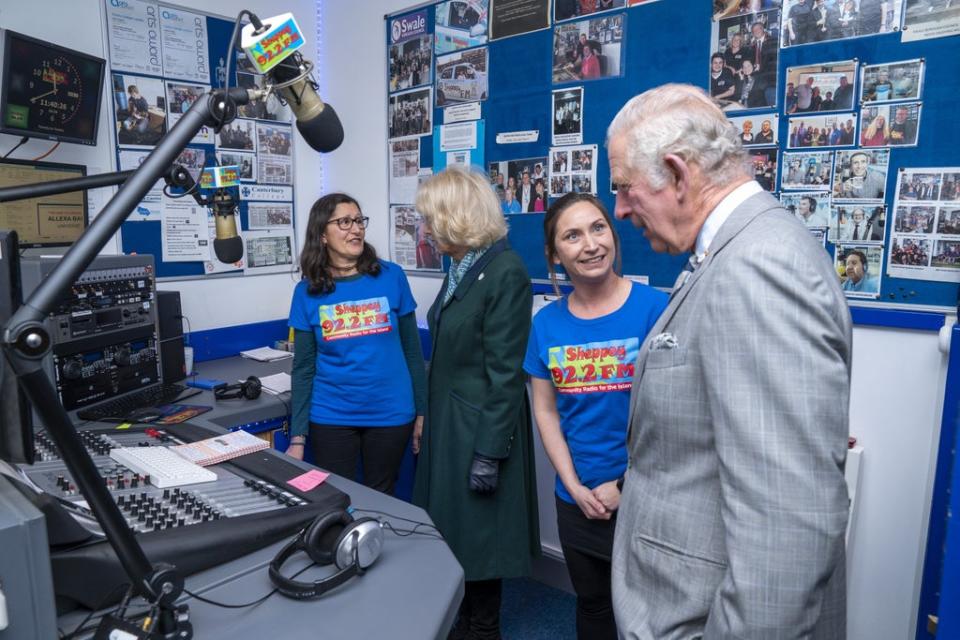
{"points": [[119, 408], [165, 468]]}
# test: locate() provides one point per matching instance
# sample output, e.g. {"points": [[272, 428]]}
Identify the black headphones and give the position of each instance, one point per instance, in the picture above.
{"points": [[355, 545], [249, 389]]}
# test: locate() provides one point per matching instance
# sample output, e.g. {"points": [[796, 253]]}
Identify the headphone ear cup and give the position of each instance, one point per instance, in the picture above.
{"points": [[317, 540], [368, 540], [251, 388]]}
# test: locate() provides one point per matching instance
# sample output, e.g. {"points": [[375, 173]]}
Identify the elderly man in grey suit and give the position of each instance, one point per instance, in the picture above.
{"points": [[734, 506]]}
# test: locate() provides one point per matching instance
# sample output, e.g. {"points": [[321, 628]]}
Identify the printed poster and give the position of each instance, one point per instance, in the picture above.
{"points": [[134, 35], [183, 231], [184, 41]]}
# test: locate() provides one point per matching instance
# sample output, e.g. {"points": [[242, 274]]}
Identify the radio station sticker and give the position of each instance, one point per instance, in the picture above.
{"points": [[355, 319], [594, 367]]}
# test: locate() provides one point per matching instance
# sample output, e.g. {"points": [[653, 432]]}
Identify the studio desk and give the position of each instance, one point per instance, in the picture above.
{"points": [[413, 590]]}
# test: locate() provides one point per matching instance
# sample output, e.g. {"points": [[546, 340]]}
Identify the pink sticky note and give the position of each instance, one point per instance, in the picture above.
{"points": [[308, 480]]}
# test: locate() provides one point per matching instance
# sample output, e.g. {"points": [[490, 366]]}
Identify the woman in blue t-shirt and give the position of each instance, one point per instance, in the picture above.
{"points": [[580, 357], [358, 376]]}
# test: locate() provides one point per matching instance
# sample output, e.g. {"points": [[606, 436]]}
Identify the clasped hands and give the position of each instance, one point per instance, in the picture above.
{"points": [[598, 503]]}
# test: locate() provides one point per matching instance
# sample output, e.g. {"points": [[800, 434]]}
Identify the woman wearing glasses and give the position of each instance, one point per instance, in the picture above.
{"points": [[358, 376]]}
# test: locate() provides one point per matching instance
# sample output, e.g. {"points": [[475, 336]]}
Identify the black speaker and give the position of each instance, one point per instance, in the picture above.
{"points": [[173, 364], [169, 315]]}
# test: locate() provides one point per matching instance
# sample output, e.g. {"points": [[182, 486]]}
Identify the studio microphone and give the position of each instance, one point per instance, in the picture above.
{"points": [[317, 122], [227, 245], [272, 47]]}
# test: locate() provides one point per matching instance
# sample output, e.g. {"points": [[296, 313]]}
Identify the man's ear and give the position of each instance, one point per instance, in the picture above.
{"points": [[680, 174]]}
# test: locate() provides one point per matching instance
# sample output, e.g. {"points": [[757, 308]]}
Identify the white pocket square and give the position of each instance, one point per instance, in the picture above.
{"points": [[664, 341]]}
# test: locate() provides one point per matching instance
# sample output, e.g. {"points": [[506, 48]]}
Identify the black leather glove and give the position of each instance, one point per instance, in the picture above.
{"points": [[483, 473]]}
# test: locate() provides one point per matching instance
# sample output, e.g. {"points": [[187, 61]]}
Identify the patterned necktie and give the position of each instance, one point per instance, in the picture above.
{"points": [[856, 231], [688, 269]]}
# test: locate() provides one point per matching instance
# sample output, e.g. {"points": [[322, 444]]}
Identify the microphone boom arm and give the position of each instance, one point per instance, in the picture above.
{"points": [[25, 341]]}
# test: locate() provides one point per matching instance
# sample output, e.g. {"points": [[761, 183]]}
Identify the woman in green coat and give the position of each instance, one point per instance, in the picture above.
{"points": [[475, 473]]}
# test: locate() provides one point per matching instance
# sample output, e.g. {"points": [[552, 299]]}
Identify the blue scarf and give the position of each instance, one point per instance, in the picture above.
{"points": [[459, 268]]}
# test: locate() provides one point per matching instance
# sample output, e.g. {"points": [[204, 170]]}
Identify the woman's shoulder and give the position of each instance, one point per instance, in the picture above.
{"points": [[646, 296]]}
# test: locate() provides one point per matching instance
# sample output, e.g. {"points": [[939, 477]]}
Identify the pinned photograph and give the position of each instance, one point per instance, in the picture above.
{"points": [[948, 221], [915, 219], [812, 21], [861, 174], [812, 209], [858, 223], [820, 87], [568, 116], [409, 113], [573, 169], [193, 160], [859, 266], [245, 162], [239, 135], [462, 77], [274, 140], [743, 65], [946, 255], [911, 252], [559, 185], [924, 19], [410, 62], [460, 24], [588, 49], [837, 130], [951, 187], [764, 164], [920, 185], [810, 171], [180, 97], [892, 81], [567, 9], [757, 130], [730, 8], [139, 106], [890, 125], [521, 185], [410, 245]]}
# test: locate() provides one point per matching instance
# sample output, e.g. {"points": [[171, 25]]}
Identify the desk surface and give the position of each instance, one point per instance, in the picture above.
{"points": [[412, 591]]}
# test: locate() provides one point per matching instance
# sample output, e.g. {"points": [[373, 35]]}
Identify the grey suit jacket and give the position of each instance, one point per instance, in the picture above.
{"points": [[732, 518]]}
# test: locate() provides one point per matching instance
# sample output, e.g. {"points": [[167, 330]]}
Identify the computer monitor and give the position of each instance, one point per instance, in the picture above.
{"points": [[48, 221], [16, 425], [49, 91]]}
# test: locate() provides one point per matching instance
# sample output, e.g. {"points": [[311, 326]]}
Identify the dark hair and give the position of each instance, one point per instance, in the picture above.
{"points": [[550, 229], [314, 260], [862, 256], [811, 201]]}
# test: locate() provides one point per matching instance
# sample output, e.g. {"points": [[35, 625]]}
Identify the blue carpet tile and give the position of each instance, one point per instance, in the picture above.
{"points": [[531, 610]]}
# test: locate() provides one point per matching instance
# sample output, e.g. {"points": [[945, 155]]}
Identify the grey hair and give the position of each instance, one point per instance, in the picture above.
{"points": [[461, 208], [683, 120]]}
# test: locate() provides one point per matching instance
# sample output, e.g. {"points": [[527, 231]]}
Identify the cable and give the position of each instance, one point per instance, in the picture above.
{"points": [[99, 605], [254, 603], [51, 150], [403, 533], [22, 142]]}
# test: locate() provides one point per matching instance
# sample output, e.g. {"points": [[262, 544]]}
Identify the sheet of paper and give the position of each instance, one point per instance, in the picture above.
{"points": [[309, 480], [184, 38], [134, 37], [183, 232]]}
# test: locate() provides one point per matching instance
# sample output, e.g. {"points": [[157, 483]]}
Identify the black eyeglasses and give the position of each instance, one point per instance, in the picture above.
{"points": [[345, 223]]}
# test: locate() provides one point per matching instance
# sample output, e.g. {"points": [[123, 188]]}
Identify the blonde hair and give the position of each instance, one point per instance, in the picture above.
{"points": [[461, 208], [678, 119]]}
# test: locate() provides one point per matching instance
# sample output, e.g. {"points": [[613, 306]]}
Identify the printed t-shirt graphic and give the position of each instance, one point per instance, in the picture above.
{"points": [[355, 318], [593, 367]]}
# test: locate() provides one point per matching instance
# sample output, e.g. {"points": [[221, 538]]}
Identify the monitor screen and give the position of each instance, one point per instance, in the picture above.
{"points": [[49, 91], [48, 221]]}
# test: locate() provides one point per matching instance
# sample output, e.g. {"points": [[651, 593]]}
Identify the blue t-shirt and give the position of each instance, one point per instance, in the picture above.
{"points": [[362, 379], [591, 364]]}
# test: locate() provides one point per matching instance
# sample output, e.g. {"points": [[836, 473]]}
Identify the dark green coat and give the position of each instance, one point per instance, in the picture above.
{"points": [[477, 403]]}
